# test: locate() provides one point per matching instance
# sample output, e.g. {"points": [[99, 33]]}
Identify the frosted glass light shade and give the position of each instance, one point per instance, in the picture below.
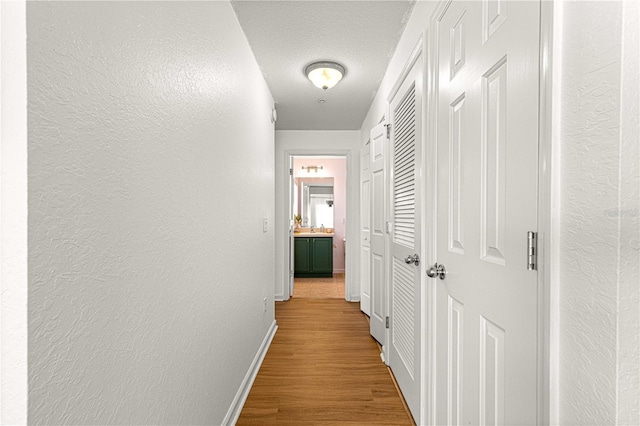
{"points": [[324, 75]]}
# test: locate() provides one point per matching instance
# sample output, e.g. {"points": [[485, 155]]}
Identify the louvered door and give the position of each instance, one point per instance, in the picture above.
{"points": [[405, 275]]}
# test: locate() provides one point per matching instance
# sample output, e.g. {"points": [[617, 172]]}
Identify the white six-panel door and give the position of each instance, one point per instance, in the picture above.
{"points": [[365, 229], [406, 237], [486, 101], [379, 147]]}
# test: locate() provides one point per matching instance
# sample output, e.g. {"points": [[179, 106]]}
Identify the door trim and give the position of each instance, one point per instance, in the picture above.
{"points": [[353, 210], [14, 280], [411, 60], [365, 299], [430, 165], [548, 223], [548, 203]]}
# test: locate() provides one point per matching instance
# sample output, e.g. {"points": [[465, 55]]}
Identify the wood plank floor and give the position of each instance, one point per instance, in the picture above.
{"points": [[323, 368]]}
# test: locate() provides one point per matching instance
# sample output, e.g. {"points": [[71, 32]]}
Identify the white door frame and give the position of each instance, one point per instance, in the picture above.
{"points": [[352, 231], [548, 217], [548, 223], [365, 285], [14, 212], [290, 230]]}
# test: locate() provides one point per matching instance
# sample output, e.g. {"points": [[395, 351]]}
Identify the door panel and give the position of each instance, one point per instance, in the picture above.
{"points": [[378, 148], [406, 241], [486, 106], [365, 231]]}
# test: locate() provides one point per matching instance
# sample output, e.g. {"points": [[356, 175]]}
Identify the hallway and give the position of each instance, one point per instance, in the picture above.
{"points": [[145, 224], [323, 367]]}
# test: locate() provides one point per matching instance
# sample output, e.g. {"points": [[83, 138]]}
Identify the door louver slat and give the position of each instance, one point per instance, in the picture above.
{"points": [[405, 134], [403, 309], [404, 139], [406, 107]]}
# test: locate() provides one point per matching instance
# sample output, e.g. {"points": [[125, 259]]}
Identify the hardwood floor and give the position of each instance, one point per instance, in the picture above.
{"points": [[323, 368]]}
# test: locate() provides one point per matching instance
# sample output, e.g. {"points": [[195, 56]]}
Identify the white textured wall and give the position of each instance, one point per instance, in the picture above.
{"points": [[150, 171], [600, 213], [319, 142]]}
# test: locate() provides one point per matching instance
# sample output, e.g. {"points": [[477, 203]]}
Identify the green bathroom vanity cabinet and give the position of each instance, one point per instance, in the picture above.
{"points": [[313, 256]]}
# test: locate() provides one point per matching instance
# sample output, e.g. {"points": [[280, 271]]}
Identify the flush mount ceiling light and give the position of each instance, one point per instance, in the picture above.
{"points": [[324, 75]]}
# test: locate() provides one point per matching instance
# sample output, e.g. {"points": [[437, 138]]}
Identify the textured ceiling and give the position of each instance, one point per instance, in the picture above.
{"points": [[285, 36]]}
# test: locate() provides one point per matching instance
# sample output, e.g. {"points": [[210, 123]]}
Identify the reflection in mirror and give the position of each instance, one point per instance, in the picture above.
{"points": [[315, 201], [320, 205]]}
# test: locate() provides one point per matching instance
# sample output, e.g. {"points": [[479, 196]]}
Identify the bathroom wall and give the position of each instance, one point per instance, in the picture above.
{"points": [[150, 279], [337, 169]]}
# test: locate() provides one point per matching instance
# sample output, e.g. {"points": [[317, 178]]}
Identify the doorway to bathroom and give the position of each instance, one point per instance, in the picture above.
{"points": [[318, 226]]}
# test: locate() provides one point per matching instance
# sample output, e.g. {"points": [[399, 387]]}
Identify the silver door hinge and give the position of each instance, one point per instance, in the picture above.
{"points": [[290, 172], [388, 126], [532, 251], [386, 322]]}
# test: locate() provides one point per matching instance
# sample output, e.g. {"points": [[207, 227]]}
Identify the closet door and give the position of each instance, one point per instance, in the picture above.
{"points": [[486, 100], [379, 147], [406, 237]]}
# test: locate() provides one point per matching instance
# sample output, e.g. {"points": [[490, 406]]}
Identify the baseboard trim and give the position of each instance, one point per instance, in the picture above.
{"points": [[241, 396], [404, 401]]}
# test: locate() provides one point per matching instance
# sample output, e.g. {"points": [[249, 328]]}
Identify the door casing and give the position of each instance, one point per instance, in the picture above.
{"points": [[352, 251]]}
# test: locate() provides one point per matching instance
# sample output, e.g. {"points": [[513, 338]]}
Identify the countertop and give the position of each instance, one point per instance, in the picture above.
{"points": [[313, 234]]}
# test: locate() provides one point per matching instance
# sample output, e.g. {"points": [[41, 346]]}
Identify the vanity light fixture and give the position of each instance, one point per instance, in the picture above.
{"points": [[309, 168], [325, 74]]}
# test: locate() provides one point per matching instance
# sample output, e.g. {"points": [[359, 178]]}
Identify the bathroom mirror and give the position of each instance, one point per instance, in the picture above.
{"points": [[315, 201]]}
